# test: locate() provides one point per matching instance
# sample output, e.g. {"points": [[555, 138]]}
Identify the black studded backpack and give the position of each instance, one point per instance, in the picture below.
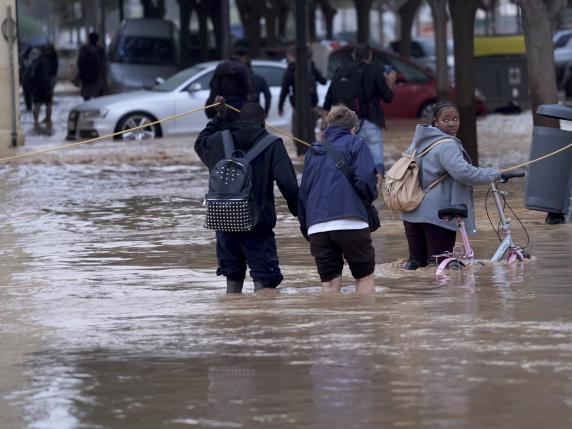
{"points": [[229, 201]]}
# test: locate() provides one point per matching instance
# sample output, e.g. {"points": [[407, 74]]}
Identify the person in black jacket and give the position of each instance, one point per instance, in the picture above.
{"points": [[257, 247], [376, 87], [288, 90], [42, 81], [92, 68], [259, 87]]}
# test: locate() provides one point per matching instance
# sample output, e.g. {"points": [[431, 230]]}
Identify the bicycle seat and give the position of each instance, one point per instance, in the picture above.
{"points": [[452, 212]]}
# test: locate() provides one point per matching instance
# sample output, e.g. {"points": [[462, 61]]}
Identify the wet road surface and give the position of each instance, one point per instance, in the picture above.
{"points": [[111, 315]]}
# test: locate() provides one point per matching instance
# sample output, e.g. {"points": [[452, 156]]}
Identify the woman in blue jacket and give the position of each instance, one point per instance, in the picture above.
{"points": [[332, 216]]}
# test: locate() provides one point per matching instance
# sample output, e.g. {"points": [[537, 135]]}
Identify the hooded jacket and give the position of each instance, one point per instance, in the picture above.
{"points": [[271, 165], [325, 192], [447, 157], [231, 79]]}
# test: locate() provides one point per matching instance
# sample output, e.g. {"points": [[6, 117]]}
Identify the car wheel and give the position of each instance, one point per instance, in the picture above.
{"points": [[426, 111], [148, 130]]}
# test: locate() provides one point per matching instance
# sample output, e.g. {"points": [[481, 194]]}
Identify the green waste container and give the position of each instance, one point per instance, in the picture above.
{"points": [[549, 182]]}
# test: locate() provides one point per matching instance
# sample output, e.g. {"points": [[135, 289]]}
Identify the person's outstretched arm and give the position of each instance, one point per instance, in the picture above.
{"points": [[453, 161], [382, 88]]}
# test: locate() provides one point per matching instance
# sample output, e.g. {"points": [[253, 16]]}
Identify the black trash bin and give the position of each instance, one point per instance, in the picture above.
{"points": [[549, 182]]}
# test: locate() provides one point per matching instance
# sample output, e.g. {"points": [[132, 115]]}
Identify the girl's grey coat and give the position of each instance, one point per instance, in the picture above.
{"points": [[447, 157]]}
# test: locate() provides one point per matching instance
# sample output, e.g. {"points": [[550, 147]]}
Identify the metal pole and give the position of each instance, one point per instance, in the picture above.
{"points": [[225, 29], [9, 33], [304, 126]]}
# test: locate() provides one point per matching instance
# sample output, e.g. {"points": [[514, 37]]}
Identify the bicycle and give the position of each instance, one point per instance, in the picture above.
{"points": [[462, 256]]}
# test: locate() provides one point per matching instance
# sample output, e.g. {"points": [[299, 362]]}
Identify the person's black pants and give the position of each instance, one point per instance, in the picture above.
{"points": [[426, 240], [256, 248]]}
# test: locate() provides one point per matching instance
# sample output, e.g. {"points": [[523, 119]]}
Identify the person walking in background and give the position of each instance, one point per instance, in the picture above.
{"points": [[427, 234], [54, 64], [257, 247], [332, 214], [288, 89], [92, 68], [361, 85], [42, 86], [232, 81], [27, 64], [259, 87]]}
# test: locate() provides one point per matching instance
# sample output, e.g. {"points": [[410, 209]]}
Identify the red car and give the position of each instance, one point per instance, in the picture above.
{"points": [[415, 92]]}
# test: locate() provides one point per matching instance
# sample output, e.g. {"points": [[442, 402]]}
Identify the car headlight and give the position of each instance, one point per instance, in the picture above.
{"points": [[94, 113]]}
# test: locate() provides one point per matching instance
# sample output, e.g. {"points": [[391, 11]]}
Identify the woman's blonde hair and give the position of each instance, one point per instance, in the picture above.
{"points": [[342, 116]]}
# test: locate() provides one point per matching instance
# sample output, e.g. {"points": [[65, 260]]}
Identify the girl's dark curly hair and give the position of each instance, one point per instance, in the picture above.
{"points": [[440, 105]]}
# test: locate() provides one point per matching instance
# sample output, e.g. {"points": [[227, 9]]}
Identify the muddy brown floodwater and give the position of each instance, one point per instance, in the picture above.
{"points": [[111, 315]]}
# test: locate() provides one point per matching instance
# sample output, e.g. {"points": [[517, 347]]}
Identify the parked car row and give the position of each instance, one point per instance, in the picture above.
{"points": [[415, 95]]}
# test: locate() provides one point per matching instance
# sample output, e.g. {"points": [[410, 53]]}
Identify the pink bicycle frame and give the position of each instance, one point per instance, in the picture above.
{"points": [[469, 256]]}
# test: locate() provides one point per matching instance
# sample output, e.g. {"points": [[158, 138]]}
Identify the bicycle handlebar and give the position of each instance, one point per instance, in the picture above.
{"points": [[505, 177]]}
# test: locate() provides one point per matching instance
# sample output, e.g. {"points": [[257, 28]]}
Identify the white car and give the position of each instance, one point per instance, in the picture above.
{"points": [[185, 91]]}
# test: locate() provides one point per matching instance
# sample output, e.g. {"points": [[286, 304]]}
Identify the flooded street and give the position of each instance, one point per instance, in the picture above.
{"points": [[111, 315]]}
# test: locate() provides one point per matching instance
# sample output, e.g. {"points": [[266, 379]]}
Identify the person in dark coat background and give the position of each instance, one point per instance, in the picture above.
{"points": [[376, 86], [289, 87], [27, 65], [259, 87], [92, 68], [42, 83], [257, 247]]}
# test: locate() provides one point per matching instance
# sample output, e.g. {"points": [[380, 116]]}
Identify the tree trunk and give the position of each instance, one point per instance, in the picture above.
{"points": [[329, 12], [380, 28], [283, 14], [312, 21], [463, 18], [407, 15], [101, 21], [537, 18], [250, 17], [439, 12], [185, 11], [203, 15], [270, 18], [363, 8], [220, 16]]}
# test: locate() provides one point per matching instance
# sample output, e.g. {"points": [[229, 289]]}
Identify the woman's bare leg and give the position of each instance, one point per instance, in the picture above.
{"points": [[365, 284], [333, 286]]}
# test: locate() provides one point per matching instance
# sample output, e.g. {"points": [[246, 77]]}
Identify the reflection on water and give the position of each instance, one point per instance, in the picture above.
{"points": [[112, 317]]}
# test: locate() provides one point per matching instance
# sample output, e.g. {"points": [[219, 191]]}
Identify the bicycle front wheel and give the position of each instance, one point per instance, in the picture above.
{"points": [[455, 264]]}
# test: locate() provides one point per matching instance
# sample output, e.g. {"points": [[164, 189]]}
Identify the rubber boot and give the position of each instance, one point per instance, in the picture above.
{"points": [[234, 286], [413, 264]]}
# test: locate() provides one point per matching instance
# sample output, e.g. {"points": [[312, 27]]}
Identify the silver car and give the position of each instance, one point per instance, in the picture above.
{"points": [[185, 91], [141, 50]]}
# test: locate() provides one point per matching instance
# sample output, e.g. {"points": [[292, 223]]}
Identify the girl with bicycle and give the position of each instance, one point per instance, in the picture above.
{"points": [[426, 233]]}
